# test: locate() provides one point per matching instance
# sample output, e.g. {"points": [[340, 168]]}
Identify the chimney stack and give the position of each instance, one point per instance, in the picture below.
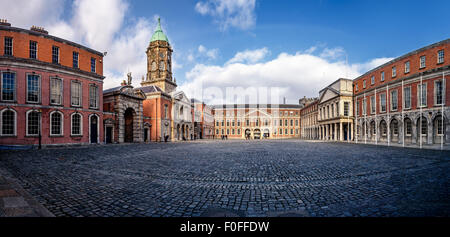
{"points": [[39, 29], [4, 22]]}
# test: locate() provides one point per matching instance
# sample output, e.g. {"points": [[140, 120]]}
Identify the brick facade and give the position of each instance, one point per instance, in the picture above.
{"points": [[18, 65]]}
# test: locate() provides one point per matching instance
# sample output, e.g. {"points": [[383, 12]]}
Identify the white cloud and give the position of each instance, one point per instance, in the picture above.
{"points": [[333, 53], [99, 25], [249, 56], [294, 75], [209, 53], [202, 53], [25, 13], [229, 13]]}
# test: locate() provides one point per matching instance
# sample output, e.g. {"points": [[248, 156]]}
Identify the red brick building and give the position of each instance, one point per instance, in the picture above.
{"points": [[49, 87], [405, 101], [159, 87]]}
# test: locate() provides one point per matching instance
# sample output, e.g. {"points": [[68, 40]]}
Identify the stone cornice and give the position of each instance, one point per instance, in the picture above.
{"points": [[39, 65]]}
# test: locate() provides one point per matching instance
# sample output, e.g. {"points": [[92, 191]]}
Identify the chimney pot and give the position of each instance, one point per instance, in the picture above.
{"points": [[4, 22]]}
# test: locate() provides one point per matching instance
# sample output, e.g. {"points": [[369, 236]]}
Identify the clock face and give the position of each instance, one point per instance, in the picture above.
{"points": [[161, 55]]}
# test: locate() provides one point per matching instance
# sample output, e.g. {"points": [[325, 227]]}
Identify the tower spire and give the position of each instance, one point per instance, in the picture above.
{"points": [[159, 35]]}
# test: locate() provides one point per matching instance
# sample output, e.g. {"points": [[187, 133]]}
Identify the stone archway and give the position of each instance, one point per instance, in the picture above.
{"points": [[373, 131], [183, 131], [394, 130], [257, 134], [439, 128], [422, 130], [266, 133], [247, 133], [129, 125], [407, 130]]}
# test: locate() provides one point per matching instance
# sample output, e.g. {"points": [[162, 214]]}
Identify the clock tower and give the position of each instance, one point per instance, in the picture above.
{"points": [[159, 62]]}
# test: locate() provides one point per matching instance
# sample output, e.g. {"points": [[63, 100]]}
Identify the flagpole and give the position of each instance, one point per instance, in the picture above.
{"points": [[442, 110], [420, 104], [388, 122], [376, 122], [403, 114]]}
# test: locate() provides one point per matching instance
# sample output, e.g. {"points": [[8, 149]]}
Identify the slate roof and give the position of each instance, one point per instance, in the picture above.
{"points": [[150, 89]]}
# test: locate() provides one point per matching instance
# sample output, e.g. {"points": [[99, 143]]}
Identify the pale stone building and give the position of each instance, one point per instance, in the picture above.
{"points": [[335, 111], [123, 114], [309, 120], [182, 124], [257, 121]]}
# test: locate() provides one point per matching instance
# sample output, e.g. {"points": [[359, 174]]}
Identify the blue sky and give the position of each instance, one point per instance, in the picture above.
{"points": [[366, 29], [298, 46]]}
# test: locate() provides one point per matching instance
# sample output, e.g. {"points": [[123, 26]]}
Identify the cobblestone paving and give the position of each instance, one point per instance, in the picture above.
{"points": [[235, 178]]}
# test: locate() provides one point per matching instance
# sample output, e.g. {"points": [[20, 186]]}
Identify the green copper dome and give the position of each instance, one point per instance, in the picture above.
{"points": [[159, 35]]}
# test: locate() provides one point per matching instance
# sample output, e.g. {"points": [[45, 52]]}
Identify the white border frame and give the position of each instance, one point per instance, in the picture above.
{"points": [[62, 123], [71, 124], [1, 122], [98, 128], [50, 91], [39, 123], [81, 93], [26, 88], [14, 100]]}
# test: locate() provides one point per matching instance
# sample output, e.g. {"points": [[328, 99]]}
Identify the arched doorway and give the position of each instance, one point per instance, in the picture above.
{"points": [[247, 133], [183, 132], [93, 129], [422, 130], [407, 130], [373, 131], [394, 130], [383, 131], [266, 133], [257, 134], [128, 116], [438, 130]]}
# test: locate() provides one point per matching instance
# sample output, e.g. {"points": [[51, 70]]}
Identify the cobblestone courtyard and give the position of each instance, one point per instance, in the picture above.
{"points": [[235, 178]]}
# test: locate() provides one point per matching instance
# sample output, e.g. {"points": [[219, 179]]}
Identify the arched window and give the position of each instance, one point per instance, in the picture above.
{"points": [[161, 66], [56, 123], [424, 126], [153, 66], [33, 125], [383, 128], [394, 125], [76, 124], [408, 127], [439, 128], [372, 128], [8, 122]]}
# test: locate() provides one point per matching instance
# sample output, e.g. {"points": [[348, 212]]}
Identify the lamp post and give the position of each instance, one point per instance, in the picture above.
{"points": [[40, 127]]}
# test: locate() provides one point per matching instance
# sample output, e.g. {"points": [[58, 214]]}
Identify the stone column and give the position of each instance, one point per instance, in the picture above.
{"points": [[335, 132], [414, 132], [401, 127], [430, 132], [329, 131], [321, 132], [341, 132]]}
